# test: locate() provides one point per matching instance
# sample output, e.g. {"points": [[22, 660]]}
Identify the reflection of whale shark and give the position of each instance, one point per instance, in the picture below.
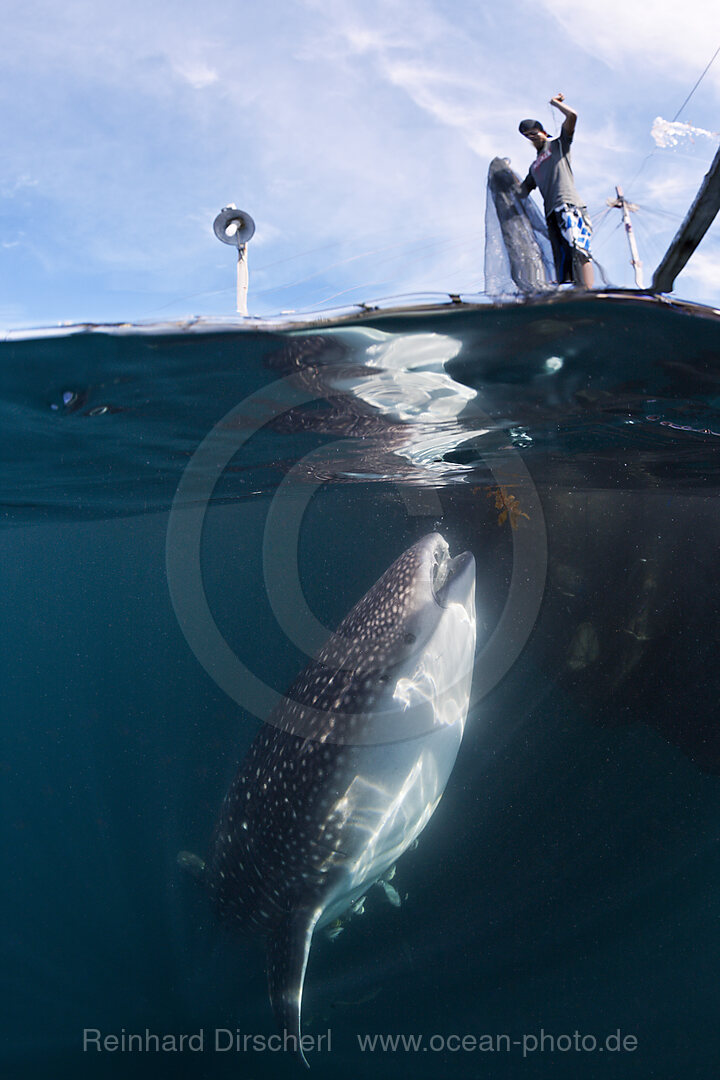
{"points": [[347, 772]]}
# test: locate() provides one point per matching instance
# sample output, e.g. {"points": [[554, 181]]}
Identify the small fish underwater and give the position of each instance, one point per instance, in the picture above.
{"points": [[347, 771]]}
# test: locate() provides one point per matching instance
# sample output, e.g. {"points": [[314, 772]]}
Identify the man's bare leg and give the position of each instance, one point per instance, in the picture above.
{"points": [[583, 272], [588, 275]]}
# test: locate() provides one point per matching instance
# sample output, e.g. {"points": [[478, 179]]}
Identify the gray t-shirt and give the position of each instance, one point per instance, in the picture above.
{"points": [[551, 173]]}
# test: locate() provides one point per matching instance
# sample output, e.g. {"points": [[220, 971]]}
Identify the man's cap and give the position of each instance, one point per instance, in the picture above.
{"points": [[529, 125]]}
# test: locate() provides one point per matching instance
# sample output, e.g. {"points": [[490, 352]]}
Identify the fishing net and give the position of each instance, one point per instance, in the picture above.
{"points": [[518, 255]]}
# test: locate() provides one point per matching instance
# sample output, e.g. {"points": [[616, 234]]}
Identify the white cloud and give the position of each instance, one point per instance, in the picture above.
{"points": [[704, 268], [416, 49], [197, 73], [677, 181], [667, 134], [677, 39], [447, 98], [17, 185]]}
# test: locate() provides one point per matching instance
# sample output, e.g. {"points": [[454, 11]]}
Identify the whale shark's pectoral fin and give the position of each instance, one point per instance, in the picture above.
{"points": [[288, 950]]}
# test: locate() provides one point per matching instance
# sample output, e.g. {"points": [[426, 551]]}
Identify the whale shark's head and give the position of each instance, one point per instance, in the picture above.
{"points": [[399, 659], [422, 590], [430, 681]]}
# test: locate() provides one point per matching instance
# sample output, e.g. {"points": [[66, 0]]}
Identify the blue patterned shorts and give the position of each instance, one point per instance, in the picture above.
{"points": [[575, 226], [569, 231]]}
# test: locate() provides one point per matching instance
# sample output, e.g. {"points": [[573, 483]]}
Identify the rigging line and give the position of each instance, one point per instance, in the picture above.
{"points": [[601, 221], [654, 150], [367, 285], [642, 166], [182, 299], [554, 116], [648, 241], [654, 212], [430, 243], [449, 245], [409, 295], [338, 243], [353, 240], [696, 85], [221, 292], [606, 238], [298, 255], [340, 262], [467, 241], [441, 297], [448, 241], [324, 269], [399, 254]]}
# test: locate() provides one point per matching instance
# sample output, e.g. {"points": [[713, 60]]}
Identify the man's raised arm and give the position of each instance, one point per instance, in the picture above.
{"points": [[570, 115]]}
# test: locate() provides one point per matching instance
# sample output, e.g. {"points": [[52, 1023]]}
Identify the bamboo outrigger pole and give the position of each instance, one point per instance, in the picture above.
{"points": [[622, 204], [697, 221]]}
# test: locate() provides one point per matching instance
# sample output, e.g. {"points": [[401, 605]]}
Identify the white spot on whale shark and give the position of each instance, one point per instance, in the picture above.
{"points": [[346, 773]]}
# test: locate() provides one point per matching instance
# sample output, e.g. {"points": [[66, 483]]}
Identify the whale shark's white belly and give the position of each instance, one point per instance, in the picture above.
{"points": [[395, 787], [387, 805]]}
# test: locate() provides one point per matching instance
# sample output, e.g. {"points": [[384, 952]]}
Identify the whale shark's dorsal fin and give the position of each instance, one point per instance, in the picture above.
{"points": [[288, 948]]}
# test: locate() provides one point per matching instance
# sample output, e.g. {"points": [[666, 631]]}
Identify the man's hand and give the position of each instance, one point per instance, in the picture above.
{"points": [[570, 115]]}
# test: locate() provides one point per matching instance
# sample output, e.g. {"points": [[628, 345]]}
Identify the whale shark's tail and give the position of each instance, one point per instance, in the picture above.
{"points": [[288, 949]]}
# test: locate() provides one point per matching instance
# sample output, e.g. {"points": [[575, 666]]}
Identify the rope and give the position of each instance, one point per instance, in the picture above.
{"points": [[598, 225], [605, 239], [648, 239], [696, 85], [406, 253], [653, 151], [405, 249], [553, 113]]}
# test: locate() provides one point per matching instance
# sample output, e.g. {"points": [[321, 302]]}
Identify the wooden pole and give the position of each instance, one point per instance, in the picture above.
{"points": [[625, 207], [697, 221], [242, 280], [634, 257]]}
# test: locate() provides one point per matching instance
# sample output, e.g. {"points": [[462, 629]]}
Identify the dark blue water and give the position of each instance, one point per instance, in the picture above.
{"points": [[185, 510]]}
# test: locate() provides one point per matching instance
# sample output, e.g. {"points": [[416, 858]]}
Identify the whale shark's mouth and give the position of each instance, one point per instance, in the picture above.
{"points": [[445, 570]]}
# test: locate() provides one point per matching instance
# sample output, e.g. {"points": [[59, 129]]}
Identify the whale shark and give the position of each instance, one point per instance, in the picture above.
{"points": [[348, 769]]}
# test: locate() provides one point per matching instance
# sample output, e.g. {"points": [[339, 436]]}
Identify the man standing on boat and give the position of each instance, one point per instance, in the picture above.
{"points": [[568, 224]]}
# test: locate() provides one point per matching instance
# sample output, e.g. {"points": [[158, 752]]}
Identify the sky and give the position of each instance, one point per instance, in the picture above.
{"points": [[357, 133]]}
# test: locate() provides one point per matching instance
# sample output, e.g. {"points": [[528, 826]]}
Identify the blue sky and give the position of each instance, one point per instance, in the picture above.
{"points": [[356, 132]]}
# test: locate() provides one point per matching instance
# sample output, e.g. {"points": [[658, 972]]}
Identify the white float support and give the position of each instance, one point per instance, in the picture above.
{"points": [[242, 280], [235, 227]]}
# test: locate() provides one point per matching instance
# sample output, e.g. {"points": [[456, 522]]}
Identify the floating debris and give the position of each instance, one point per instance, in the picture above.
{"points": [[508, 505]]}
